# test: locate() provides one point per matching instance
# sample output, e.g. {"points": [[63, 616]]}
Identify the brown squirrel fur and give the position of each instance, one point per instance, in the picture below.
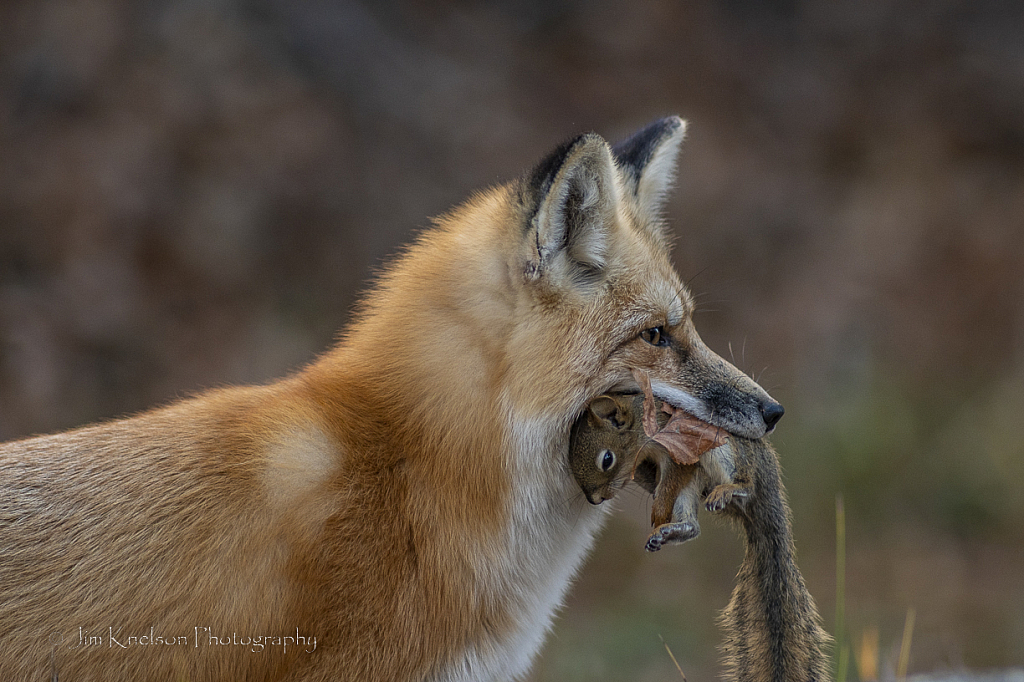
{"points": [[772, 627], [608, 446], [606, 442]]}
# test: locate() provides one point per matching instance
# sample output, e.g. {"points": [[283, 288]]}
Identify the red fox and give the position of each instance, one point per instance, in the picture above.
{"points": [[396, 510]]}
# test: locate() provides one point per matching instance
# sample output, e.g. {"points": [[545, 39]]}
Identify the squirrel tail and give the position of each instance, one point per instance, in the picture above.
{"points": [[772, 627]]}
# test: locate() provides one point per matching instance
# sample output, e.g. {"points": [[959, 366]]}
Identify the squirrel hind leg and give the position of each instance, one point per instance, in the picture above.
{"points": [[672, 534]]}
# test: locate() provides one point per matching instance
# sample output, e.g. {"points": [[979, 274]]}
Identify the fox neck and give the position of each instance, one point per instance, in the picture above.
{"points": [[463, 420], [519, 527], [434, 374]]}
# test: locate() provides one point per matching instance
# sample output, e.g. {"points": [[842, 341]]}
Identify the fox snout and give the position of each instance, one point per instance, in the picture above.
{"points": [[771, 412], [739, 405], [713, 390]]}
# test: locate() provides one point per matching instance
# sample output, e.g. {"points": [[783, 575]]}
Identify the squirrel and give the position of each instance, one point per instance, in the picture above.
{"points": [[772, 627], [609, 434]]}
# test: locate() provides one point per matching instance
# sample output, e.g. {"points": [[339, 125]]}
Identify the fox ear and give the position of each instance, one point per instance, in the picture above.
{"points": [[575, 195], [647, 161]]}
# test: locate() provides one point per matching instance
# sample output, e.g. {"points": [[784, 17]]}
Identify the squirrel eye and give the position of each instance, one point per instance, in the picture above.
{"points": [[655, 336], [605, 460]]}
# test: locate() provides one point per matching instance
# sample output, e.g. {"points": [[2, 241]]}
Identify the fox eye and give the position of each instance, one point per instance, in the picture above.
{"points": [[605, 460], [655, 336]]}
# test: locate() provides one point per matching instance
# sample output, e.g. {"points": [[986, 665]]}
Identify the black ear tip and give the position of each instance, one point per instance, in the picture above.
{"points": [[543, 173], [670, 123], [538, 181], [635, 151], [659, 128]]}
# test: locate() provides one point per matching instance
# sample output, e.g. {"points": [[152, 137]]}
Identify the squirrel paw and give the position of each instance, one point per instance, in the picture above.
{"points": [[722, 496], [670, 534]]}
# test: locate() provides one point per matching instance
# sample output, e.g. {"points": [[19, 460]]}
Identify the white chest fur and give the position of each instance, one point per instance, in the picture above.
{"points": [[550, 530]]}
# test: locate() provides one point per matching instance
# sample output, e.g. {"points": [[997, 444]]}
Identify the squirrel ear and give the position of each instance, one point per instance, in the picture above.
{"points": [[606, 409]]}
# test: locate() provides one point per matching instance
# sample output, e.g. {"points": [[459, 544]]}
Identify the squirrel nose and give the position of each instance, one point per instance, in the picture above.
{"points": [[771, 412]]}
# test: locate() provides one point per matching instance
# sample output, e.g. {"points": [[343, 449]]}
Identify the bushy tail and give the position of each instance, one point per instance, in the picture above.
{"points": [[772, 627]]}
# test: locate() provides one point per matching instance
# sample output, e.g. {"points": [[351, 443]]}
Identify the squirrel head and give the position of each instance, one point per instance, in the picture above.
{"points": [[604, 442]]}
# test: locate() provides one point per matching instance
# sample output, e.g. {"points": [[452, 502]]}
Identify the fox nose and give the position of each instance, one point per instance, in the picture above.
{"points": [[771, 412]]}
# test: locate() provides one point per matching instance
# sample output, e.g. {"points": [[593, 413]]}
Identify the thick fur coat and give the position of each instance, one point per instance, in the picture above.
{"points": [[399, 510]]}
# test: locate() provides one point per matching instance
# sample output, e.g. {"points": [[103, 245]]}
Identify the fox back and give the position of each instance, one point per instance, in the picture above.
{"points": [[401, 509]]}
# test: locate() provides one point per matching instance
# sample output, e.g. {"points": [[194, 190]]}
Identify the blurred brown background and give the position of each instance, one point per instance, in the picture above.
{"points": [[192, 193]]}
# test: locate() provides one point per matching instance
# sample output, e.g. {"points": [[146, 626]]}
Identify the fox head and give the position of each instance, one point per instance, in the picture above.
{"points": [[534, 297], [593, 269]]}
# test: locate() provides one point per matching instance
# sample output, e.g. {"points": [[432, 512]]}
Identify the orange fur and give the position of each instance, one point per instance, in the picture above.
{"points": [[405, 500]]}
